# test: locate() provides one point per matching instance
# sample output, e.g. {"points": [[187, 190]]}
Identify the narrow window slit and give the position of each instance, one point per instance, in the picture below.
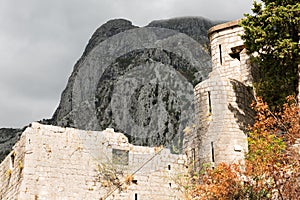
{"points": [[212, 152], [12, 160], [209, 103], [220, 51]]}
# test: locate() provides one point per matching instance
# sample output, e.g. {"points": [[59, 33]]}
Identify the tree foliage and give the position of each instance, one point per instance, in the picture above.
{"points": [[272, 166], [272, 36]]}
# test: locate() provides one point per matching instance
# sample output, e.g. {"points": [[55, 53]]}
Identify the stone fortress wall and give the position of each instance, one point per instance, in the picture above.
{"points": [[51, 162], [223, 101]]}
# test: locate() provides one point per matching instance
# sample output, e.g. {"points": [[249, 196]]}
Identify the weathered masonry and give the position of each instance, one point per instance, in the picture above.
{"points": [[223, 101], [63, 163]]}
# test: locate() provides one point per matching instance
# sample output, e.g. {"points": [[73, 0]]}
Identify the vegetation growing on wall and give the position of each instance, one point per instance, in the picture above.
{"points": [[272, 166], [272, 36]]}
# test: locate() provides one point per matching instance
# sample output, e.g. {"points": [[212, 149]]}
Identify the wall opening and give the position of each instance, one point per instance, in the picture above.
{"points": [[120, 157], [209, 103], [235, 56], [212, 152], [135, 196], [12, 160], [220, 51], [235, 52], [169, 167], [193, 158]]}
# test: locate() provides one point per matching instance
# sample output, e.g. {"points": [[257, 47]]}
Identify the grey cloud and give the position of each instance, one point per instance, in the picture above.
{"points": [[213, 9]]}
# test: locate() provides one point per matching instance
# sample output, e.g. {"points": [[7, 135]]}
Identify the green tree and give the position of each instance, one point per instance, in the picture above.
{"points": [[272, 37]]}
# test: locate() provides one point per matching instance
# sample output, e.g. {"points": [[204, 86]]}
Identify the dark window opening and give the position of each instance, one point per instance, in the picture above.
{"points": [[235, 52], [235, 55], [135, 196], [169, 167], [12, 159], [170, 185], [212, 152], [220, 51], [134, 181], [120, 157], [209, 102]]}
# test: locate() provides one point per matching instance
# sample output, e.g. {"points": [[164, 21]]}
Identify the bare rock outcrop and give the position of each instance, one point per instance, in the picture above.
{"points": [[138, 81]]}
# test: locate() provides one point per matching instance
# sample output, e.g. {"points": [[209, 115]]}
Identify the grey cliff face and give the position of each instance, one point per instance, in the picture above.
{"points": [[195, 27], [107, 30], [138, 81]]}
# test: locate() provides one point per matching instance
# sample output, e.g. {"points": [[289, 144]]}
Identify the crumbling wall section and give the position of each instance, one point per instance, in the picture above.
{"points": [[75, 164], [11, 171]]}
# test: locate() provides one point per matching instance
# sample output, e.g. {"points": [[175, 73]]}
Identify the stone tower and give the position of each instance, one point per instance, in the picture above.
{"points": [[223, 101]]}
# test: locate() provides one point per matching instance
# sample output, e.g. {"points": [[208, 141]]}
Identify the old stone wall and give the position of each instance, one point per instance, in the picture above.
{"points": [[11, 171], [66, 163], [223, 112], [223, 101]]}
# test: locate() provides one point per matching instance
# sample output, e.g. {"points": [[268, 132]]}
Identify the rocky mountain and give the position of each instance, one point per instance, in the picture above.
{"points": [[137, 80], [107, 30], [195, 27]]}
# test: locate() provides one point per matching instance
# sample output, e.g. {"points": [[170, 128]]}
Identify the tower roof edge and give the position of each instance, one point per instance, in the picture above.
{"points": [[223, 26]]}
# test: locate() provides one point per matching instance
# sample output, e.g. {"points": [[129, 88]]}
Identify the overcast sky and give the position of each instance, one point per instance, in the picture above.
{"points": [[40, 41]]}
